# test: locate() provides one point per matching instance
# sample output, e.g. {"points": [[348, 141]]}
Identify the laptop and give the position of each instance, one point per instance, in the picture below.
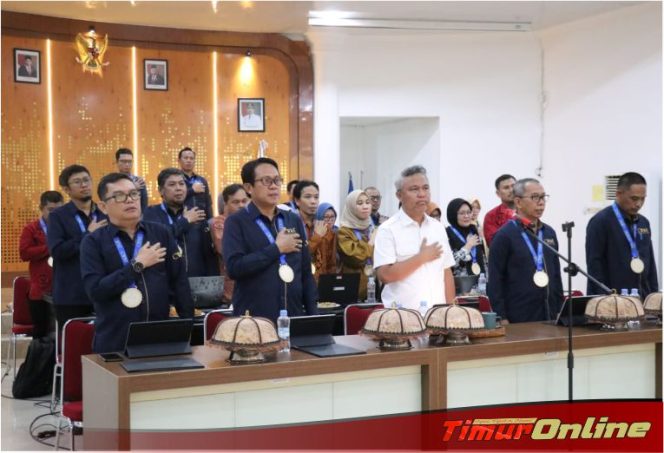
{"points": [[313, 334], [578, 311], [339, 288], [158, 338], [143, 365]]}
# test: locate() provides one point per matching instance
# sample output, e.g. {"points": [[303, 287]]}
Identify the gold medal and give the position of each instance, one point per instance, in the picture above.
{"points": [[637, 265], [50, 261], [368, 270], [131, 297], [286, 273], [541, 279], [476, 269]]}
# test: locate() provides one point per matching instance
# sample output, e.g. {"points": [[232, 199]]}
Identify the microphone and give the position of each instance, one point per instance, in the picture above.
{"points": [[523, 222]]}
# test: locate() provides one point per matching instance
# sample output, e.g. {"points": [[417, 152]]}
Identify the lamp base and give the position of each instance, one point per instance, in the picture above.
{"points": [[457, 338], [244, 356], [394, 344]]}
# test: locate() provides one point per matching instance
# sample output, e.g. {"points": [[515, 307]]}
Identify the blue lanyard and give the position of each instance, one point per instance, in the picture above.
{"points": [[539, 257], [623, 226], [193, 179], [168, 216], [473, 251], [81, 225], [268, 234], [43, 226], [123, 255], [359, 237]]}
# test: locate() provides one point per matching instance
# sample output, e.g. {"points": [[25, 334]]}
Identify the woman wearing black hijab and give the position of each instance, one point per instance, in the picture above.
{"points": [[464, 239]]}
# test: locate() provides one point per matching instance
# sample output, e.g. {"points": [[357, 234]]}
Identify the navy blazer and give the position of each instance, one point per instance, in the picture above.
{"points": [[512, 292], [254, 265], [199, 256], [105, 278], [200, 200], [608, 254], [64, 240]]}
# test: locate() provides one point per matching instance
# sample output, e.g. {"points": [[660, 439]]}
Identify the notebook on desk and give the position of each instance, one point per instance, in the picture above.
{"points": [[313, 335]]}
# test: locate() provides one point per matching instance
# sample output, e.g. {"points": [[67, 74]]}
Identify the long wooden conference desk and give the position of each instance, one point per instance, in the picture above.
{"points": [[528, 364]]}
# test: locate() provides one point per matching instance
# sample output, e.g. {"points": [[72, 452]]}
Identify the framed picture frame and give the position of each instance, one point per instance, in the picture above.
{"points": [[155, 75], [27, 66], [251, 115]]}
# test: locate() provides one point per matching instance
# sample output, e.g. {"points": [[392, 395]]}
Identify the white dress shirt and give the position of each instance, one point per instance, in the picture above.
{"points": [[399, 239]]}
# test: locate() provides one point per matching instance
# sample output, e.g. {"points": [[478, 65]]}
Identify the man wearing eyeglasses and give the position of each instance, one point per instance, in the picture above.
{"points": [[525, 283], [375, 199], [124, 159], [130, 268], [265, 252], [67, 226], [188, 225]]}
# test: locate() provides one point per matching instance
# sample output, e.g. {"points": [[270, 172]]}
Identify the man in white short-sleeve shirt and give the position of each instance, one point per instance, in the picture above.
{"points": [[412, 255]]}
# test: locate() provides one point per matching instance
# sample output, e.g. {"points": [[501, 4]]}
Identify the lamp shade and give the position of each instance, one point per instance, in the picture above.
{"points": [[653, 304], [247, 338], [394, 327], [453, 317], [614, 308]]}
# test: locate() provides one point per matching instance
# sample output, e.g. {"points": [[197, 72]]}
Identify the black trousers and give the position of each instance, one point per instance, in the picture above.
{"points": [[41, 313]]}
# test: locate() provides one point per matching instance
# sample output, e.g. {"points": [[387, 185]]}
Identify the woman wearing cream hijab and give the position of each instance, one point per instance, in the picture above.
{"points": [[355, 239]]}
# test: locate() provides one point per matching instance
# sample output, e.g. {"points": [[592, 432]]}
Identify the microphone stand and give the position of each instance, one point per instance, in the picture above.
{"points": [[572, 269]]}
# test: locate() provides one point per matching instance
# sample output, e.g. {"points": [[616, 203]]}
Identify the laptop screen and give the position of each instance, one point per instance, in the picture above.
{"points": [[153, 338], [303, 326], [339, 288], [578, 308]]}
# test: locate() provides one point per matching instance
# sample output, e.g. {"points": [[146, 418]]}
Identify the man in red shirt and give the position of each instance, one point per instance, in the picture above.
{"points": [[502, 213], [33, 248]]}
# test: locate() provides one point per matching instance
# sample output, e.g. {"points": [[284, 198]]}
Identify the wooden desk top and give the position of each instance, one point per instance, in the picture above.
{"points": [[520, 339]]}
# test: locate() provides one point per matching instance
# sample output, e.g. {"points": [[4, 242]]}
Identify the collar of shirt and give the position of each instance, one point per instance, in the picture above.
{"points": [[405, 219], [74, 210], [254, 213], [113, 230], [628, 218]]}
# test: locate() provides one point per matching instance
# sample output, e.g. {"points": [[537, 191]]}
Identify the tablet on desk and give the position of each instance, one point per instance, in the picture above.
{"points": [[156, 338]]}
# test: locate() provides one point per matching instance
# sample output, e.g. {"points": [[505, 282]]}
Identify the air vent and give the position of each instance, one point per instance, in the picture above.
{"points": [[610, 185]]}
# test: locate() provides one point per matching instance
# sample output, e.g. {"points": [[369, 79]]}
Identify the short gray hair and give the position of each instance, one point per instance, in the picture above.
{"points": [[520, 186], [410, 171]]}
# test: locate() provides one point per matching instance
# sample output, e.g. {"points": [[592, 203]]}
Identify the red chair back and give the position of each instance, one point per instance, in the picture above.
{"points": [[77, 336], [485, 304], [21, 314], [213, 319], [356, 315]]}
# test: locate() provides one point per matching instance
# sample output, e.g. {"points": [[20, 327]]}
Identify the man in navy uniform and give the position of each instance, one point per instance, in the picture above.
{"points": [[619, 250], [524, 276], [188, 225], [131, 270], [124, 159], [67, 226], [263, 250], [198, 189]]}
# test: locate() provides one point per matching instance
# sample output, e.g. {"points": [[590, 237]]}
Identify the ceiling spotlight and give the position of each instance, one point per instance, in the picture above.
{"points": [[248, 52]]}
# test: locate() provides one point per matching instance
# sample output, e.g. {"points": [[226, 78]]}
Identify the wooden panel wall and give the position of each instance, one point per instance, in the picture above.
{"points": [[93, 115]]}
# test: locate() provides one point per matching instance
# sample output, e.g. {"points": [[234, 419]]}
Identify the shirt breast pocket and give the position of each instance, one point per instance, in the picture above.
{"points": [[406, 248]]}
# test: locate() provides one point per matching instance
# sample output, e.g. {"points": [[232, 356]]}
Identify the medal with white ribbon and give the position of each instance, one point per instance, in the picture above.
{"points": [[475, 267], [637, 265], [132, 296], [540, 277]]}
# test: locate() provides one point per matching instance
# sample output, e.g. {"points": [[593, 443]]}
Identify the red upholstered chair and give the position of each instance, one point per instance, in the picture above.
{"points": [[77, 335], [212, 319], [355, 315], [577, 293], [21, 319], [485, 304]]}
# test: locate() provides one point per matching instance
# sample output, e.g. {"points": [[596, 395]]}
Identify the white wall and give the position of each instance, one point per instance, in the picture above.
{"points": [[483, 88], [381, 150], [600, 77], [603, 90]]}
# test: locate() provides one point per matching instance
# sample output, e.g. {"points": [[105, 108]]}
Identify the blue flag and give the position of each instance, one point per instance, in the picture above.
{"points": [[350, 182]]}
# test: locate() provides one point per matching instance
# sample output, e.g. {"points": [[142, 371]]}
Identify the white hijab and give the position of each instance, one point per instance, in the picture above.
{"points": [[349, 216]]}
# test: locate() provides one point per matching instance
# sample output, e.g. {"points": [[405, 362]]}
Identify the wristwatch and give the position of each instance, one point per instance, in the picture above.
{"points": [[137, 266]]}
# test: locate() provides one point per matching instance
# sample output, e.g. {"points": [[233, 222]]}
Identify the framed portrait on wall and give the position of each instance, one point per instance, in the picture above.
{"points": [[27, 66], [251, 115], [155, 74]]}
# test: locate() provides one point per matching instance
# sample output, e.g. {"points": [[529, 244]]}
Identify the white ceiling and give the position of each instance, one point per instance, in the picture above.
{"points": [[291, 17]]}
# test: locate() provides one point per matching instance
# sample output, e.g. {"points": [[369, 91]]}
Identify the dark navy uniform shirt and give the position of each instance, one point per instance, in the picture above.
{"points": [[608, 254], [199, 256], [64, 240], [512, 292], [105, 278], [254, 265], [200, 200]]}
